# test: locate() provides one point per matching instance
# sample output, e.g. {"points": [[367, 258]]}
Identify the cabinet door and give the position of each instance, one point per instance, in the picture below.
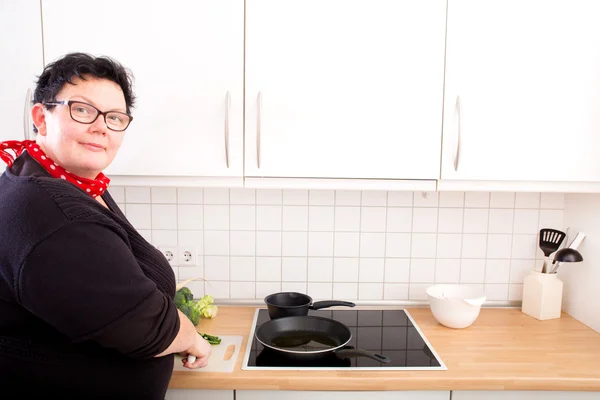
{"points": [[344, 89], [341, 395], [522, 395], [187, 58], [196, 394], [22, 61], [522, 83]]}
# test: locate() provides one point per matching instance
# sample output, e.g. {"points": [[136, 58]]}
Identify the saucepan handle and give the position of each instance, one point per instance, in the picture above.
{"points": [[344, 353], [330, 303]]}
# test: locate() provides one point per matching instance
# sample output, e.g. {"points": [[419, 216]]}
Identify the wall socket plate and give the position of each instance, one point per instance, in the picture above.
{"points": [[171, 253], [187, 256]]}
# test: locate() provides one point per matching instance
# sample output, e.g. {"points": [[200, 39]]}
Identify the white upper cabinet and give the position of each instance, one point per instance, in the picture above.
{"points": [[21, 61], [522, 93], [188, 61], [344, 89]]}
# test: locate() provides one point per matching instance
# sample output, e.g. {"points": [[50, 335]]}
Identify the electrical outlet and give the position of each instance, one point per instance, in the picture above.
{"points": [[187, 256], [171, 253]]}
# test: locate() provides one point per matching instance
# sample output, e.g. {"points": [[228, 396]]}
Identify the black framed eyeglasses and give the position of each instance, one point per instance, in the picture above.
{"points": [[86, 114]]}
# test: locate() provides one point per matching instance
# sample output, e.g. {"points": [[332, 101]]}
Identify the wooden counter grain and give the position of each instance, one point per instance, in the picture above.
{"points": [[503, 350]]}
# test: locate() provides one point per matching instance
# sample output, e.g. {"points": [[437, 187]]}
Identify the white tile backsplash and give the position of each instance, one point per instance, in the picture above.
{"points": [[374, 198], [268, 218], [242, 243], [242, 217], [527, 200], [349, 245], [295, 218], [189, 216], [164, 216], [216, 196], [320, 269], [294, 244], [371, 270], [345, 270], [477, 200], [452, 199], [398, 245], [320, 244], [400, 199], [347, 198], [163, 195], [268, 243], [397, 270], [321, 197], [320, 290], [373, 219], [189, 195], [242, 196], [295, 197], [137, 195], [321, 218], [346, 244], [243, 269]]}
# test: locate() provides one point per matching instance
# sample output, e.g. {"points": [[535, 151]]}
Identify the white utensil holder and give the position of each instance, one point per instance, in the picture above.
{"points": [[542, 295]]}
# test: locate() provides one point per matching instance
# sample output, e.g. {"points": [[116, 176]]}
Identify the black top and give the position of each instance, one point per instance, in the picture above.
{"points": [[85, 302]]}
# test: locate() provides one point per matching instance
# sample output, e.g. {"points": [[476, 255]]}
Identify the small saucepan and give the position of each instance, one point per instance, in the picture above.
{"points": [[310, 338], [291, 304]]}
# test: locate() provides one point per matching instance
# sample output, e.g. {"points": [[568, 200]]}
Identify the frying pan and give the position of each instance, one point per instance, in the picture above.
{"points": [[289, 304], [305, 338]]}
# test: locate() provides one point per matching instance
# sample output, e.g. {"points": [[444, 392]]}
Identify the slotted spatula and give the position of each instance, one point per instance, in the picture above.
{"points": [[550, 240]]}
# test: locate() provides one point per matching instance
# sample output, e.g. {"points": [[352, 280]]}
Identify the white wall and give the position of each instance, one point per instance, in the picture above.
{"points": [[581, 296], [348, 245]]}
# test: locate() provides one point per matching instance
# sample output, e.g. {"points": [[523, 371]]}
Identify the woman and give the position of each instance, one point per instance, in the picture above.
{"points": [[86, 304]]}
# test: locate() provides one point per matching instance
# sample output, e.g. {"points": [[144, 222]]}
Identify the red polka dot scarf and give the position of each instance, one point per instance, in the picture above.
{"points": [[93, 187]]}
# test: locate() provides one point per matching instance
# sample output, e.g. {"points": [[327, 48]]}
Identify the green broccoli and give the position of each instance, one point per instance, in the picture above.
{"points": [[190, 310], [184, 301], [183, 295]]}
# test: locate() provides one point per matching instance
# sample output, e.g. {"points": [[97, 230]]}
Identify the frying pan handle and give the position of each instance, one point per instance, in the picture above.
{"points": [[344, 353], [330, 303]]}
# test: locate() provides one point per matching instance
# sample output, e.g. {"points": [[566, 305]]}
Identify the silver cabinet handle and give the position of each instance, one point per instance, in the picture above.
{"points": [[457, 152], [258, 127], [227, 106], [27, 116]]}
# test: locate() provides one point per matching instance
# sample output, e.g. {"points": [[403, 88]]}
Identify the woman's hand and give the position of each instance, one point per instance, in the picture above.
{"points": [[201, 350]]}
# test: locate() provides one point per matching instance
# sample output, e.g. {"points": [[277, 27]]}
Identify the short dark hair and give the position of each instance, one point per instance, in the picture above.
{"points": [[62, 71]]}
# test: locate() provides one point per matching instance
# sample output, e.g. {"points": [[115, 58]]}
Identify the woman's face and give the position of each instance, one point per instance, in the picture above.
{"points": [[83, 149]]}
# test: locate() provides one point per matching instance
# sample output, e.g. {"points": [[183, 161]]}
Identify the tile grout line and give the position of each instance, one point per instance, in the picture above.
{"points": [[387, 201], [333, 249], [462, 234], [229, 244], [281, 246], [412, 220], [487, 238], [307, 238], [359, 243], [204, 282]]}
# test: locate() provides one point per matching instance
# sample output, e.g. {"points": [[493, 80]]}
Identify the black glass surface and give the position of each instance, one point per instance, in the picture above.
{"points": [[387, 332]]}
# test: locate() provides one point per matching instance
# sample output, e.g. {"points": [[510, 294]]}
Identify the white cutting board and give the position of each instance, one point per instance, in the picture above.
{"points": [[217, 362]]}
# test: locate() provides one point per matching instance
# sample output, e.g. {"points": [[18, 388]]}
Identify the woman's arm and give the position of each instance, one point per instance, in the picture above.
{"points": [[85, 282], [189, 341]]}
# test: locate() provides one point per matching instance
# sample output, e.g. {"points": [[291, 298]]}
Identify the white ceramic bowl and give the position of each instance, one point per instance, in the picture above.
{"points": [[455, 306]]}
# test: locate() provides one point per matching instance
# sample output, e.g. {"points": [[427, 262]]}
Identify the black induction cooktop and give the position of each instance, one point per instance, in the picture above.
{"points": [[391, 333]]}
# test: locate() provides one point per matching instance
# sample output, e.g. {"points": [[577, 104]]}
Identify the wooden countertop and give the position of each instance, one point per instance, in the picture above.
{"points": [[503, 350]]}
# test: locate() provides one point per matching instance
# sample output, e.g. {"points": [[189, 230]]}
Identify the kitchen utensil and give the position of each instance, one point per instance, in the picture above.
{"points": [[455, 306], [542, 295], [577, 241], [306, 338], [289, 304], [222, 359], [568, 255], [549, 242]]}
